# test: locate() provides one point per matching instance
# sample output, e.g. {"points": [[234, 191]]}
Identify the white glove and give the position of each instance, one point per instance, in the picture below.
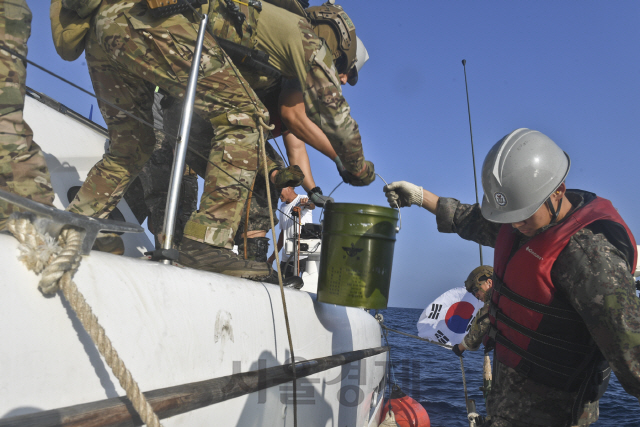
{"points": [[403, 194]]}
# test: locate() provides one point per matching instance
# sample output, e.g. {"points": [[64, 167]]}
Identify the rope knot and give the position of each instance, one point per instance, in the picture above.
{"points": [[58, 261], [262, 121], [45, 255]]}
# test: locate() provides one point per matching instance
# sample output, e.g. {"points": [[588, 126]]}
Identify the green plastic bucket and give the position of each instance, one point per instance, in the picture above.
{"points": [[357, 255]]}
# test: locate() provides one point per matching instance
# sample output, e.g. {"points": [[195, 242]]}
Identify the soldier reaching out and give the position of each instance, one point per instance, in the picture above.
{"points": [[564, 304]]}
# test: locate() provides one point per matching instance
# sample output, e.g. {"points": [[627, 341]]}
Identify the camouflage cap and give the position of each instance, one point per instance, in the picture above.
{"points": [[477, 277]]}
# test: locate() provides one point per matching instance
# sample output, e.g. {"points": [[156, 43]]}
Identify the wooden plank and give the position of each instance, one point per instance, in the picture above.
{"points": [[170, 401]]}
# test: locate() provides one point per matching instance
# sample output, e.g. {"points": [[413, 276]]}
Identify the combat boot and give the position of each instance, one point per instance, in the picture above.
{"points": [[294, 282], [202, 256], [110, 243], [257, 248]]}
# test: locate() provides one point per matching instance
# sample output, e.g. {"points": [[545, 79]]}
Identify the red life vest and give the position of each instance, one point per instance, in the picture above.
{"points": [[536, 330]]}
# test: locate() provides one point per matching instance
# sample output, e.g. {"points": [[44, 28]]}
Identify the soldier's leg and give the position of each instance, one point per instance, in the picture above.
{"points": [[131, 142], [23, 169], [297, 51], [160, 51]]}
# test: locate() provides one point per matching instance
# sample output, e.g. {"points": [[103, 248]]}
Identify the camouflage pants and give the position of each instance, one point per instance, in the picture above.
{"points": [[23, 169], [129, 54], [201, 134], [298, 52], [516, 401], [147, 194]]}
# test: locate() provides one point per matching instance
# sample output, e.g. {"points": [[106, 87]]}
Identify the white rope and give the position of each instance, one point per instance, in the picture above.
{"points": [[389, 420], [58, 262]]}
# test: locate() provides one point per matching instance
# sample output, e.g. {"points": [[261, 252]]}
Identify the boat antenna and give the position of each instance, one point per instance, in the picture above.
{"points": [[473, 155]]}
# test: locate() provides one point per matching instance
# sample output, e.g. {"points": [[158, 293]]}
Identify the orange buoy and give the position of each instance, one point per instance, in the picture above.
{"points": [[408, 412]]}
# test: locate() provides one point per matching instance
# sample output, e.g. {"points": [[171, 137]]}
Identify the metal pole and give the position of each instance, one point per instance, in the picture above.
{"points": [[473, 155], [296, 245], [181, 147]]}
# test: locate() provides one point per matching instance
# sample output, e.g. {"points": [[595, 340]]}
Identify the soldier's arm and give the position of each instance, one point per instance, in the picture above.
{"points": [[478, 330], [596, 279], [465, 220], [295, 118]]}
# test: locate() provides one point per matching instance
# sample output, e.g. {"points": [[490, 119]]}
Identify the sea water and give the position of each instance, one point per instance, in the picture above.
{"points": [[431, 375]]}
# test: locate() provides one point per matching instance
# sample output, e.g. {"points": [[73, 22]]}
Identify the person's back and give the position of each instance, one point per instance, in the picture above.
{"points": [[295, 211]]}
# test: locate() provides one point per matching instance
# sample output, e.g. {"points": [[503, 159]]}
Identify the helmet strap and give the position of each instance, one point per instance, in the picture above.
{"points": [[554, 212]]}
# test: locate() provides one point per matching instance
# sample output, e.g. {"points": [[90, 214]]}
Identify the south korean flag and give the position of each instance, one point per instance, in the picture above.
{"points": [[449, 318]]}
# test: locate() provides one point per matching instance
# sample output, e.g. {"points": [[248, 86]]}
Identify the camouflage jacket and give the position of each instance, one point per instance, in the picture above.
{"points": [[595, 277], [479, 326]]}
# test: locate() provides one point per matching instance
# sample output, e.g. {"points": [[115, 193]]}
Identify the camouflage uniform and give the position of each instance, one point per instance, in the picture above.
{"points": [[129, 53], [147, 194], [298, 52], [23, 169], [201, 134], [595, 278], [479, 326]]}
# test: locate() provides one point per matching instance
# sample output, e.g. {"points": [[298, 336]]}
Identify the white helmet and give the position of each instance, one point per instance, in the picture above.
{"points": [[519, 174], [362, 56]]}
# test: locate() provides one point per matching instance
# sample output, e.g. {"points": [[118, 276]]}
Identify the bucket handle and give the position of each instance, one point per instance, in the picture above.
{"points": [[398, 227]]}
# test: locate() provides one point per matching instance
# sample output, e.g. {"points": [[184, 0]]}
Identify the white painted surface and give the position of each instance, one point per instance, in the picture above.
{"points": [[171, 325], [71, 150], [174, 326]]}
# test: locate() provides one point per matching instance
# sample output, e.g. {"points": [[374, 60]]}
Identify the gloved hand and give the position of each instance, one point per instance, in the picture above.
{"points": [[403, 193], [456, 350], [365, 178], [291, 176], [317, 198]]}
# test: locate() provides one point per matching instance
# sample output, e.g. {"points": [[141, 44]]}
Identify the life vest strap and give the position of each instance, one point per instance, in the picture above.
{"points": [[562, 370], [570, 315], [537, 336]]}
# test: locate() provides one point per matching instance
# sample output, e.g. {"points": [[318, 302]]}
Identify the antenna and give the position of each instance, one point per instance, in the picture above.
{"points": [[473, 155]]}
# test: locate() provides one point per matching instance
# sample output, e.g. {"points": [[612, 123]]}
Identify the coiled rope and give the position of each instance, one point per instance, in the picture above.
{"points": [[58, 262]]}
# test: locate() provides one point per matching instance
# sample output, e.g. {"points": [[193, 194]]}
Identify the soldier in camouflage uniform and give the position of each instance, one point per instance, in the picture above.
{"points": [[592, 274], [298, 53], [129, 53], [23, 169], [259, 222], [147, 194], [478, 284]]}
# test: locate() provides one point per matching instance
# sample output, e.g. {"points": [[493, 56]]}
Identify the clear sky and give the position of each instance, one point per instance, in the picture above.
{"points": [[569, 69]]}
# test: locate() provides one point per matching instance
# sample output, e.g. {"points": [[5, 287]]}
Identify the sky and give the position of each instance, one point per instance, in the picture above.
{"points": [[568, 69]]}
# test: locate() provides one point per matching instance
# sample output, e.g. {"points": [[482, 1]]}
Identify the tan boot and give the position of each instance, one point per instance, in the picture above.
{"points": [[202, 256], [109, 242]]}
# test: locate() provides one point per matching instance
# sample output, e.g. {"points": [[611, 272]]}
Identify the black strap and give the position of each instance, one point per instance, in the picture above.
{"points": [[481, 318], [501, 289], [542, 338], [252, 58], [554, 212], [562, 370]]}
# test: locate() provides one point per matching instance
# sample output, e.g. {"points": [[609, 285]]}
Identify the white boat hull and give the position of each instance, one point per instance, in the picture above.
{"points": [[171, 326], [174, 326]]}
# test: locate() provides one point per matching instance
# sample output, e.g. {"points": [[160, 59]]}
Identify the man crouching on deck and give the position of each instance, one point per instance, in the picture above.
{"points": [[564, 310]]}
